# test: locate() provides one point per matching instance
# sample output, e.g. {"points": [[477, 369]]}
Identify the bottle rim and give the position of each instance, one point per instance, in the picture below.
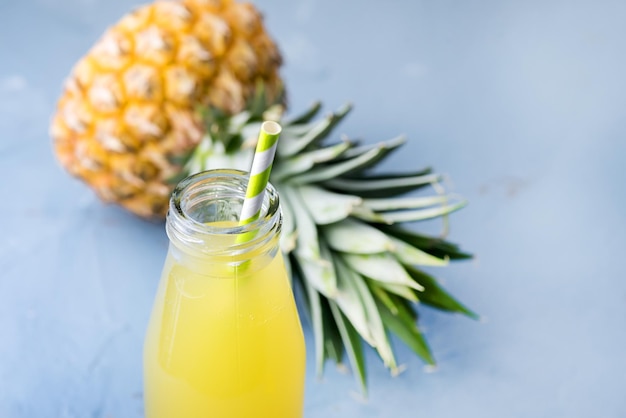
{"points": [[186, 230]]}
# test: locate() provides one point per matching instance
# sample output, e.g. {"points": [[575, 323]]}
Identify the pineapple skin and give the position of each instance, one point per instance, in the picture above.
{"points": [[128, 113]]}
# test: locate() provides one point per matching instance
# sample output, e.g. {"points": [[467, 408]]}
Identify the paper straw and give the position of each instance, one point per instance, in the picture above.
{"points": [[260, 172]]}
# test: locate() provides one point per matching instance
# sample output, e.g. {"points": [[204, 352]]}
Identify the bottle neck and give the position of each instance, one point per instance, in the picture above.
{"points": [[202, 221]]}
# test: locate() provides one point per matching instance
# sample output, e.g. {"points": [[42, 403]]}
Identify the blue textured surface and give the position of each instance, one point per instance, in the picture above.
{"points": [[521, 103]]}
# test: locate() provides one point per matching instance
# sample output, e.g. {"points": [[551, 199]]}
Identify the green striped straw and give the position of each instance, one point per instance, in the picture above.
{"points": [[259, 174]]}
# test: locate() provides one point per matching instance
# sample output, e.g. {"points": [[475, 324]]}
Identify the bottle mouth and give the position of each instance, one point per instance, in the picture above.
{"points": [[204, 214]]}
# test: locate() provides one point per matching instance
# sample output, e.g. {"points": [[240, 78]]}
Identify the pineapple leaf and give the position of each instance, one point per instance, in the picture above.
{"points": [[384, 149], [305, 117], [311, 254], [372, 186], [306, 160], [349, 300], [313, 134], [388, 176], [180, 159], [408, 254], [315, 308], [288, 266], [319, 272], [330, 171], [327, 207], [381, 267], [404, 327], [432, 245], [258, 103], [216, 124], [398, 289], [390, 145], [405, 202], [292, 133], [289, 230], [406, 309], [307, 240], [353, 236], [382, 296], [418, 214], [250, 134], [434, 295], [333, 344], [352, 344], [364, 213], [176, 178], [356, 283], [239, 122]]}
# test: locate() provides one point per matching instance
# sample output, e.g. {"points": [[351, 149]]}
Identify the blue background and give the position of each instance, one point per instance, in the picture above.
{"points": [[521, 103]]}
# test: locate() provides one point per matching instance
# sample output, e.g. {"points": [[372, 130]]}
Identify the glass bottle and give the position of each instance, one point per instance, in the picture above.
{"points": [[224, 338]]}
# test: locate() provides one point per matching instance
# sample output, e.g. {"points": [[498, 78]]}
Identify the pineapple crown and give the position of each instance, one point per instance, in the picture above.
{"points": [[358, 265]]}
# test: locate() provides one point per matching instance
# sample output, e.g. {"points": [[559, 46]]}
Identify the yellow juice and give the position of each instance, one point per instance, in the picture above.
{"points": [[224, 342]]}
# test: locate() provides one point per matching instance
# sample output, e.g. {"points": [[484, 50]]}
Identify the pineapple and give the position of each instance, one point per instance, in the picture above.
{"points": [[179, 87], [127, 114]]}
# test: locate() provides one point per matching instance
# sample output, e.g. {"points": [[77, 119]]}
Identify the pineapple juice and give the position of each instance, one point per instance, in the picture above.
{"points": [[224, 339], [211, 347]]}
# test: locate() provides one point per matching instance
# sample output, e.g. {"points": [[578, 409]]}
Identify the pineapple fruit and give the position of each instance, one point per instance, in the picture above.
{"points": [[128, 110], [179, 87]]}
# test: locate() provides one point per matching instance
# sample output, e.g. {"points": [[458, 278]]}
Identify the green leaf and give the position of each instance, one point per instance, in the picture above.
{"points": [[389, 176], [386, 204], [249, 136], [177, 178], [407, 331], [258, 102], [383, 150], [318, 325], [382, 296], [350, 281], [305, 117], [406, 309], [288, 266], [408, 254], [400, 290], [353, 346], [330, 171], [313, 257], [240, 121], [381, 267], [196, 162], [333, 344], [418, 214], [327, 207], [371, 186], [388, 145], [434, 295], [289, 236], [180, 159], [307, 241], [314, 134], [349, 300], [319, 272], [287, 167], [366, 214], [432, 245], [352, 236]]}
